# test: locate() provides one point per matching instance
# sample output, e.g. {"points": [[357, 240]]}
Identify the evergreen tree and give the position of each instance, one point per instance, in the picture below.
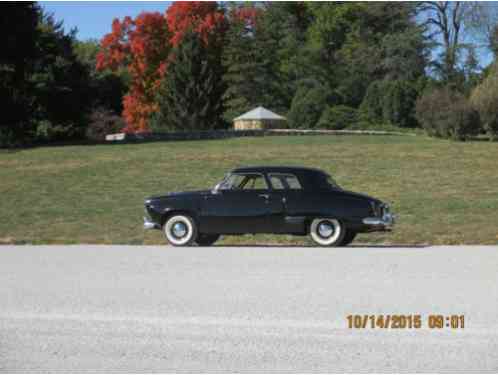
{"points": [[189, 97], [251, 67], [18, 35]]}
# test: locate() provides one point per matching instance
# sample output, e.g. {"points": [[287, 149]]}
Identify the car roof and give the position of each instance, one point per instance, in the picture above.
{"points": [[279, 169]]}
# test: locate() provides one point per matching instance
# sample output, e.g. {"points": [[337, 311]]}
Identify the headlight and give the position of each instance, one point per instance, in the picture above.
{"points": [[375, 209]]}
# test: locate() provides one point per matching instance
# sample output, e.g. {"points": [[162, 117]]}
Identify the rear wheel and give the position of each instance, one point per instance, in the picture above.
{"points": [[180, 230], [207, 239], [348, 237], [327, 232]]}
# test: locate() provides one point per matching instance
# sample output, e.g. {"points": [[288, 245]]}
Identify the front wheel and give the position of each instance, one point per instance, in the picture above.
{"points": [[207, 239], [180, 230], [327, 232]]}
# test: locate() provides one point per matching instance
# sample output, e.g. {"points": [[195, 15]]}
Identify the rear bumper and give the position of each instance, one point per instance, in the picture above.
{"points": [[148, 224]]}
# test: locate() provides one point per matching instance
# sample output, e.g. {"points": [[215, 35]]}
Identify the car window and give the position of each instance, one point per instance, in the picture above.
{"points": [[280, 181], [254, 182], [251, 181], [276, 182], [293, 182]]}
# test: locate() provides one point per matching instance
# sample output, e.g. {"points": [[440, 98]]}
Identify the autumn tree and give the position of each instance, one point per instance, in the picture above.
{"points": [[143, 45]]}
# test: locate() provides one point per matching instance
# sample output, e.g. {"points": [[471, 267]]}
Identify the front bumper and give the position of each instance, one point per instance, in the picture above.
{"points": [[385, 222], [148, 224]]}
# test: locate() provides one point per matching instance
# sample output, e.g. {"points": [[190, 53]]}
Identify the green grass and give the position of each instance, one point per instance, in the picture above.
{"points": [[443, 192]]}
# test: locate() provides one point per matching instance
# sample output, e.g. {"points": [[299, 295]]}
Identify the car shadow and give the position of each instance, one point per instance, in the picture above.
{"points": [[359, 246]]}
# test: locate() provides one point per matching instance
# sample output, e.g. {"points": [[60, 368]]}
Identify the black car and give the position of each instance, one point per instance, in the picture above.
{"points": [[280, 200]]}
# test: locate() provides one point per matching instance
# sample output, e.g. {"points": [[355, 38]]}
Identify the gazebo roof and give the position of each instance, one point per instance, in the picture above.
{"points": [[259, 113]]}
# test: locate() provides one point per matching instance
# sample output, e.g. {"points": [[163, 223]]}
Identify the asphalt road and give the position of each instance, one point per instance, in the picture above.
{"points": [[240, 309]]}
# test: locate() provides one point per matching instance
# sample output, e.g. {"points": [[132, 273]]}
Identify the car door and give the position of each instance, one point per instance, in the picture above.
{"points": [[286, 194], [243, 208]]}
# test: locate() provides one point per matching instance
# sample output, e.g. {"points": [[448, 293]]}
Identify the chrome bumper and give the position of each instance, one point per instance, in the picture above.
{"points": [[385, 222], [149, 224]]}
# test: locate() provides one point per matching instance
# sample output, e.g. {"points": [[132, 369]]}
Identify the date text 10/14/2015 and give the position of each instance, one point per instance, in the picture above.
{"points": [[415, 321]]}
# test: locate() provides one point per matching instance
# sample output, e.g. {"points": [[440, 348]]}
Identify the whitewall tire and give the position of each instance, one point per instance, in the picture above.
{"points": [[180, 230], [327, 232]]}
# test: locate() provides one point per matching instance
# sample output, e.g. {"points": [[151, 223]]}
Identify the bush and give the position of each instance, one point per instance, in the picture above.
{"points": [[103, 122], [338, 117], [398, 104], [390, 102], [371, 107], [485, 99], [447, 114], [307, 106]]}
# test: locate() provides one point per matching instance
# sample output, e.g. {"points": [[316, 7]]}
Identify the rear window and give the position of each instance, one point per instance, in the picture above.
{"points": [[280, 181]]}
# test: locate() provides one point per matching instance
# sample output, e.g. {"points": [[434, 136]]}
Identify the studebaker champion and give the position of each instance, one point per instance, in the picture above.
{"points": [[280, 200]]}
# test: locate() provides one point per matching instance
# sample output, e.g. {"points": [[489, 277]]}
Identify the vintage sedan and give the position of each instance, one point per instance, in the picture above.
{"points": [[280, 200]]}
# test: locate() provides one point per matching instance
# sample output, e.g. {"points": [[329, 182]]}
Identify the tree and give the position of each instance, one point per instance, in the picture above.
{"points": [[18, 35], [251, 69], [485, 99], [60, 83], [308, 104], [355, 44], [286, 23], [107, 87], [338, 117], [189, 97], [446, 113], [398, 104], [447, 21], [143, 46]]}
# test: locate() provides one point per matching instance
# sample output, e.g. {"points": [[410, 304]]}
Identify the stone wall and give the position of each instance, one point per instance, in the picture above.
{"points": [[220, 134]]}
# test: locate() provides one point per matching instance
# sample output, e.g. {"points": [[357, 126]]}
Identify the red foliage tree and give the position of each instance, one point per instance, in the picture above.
{"points": [[143, 46]]}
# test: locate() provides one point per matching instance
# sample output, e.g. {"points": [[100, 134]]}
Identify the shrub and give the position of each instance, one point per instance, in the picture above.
{"points": [[103, 122], [398, 104], [371, 106], [307, 106], [485, 99], [447, 114], [338, 117], [390, 102]]}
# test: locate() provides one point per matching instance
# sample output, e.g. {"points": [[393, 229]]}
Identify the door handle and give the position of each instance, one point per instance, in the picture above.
{"points": [[266, 196], [284, 200]]}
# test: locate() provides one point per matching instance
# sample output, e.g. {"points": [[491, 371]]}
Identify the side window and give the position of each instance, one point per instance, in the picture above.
{"points": [[252, 181], [293, 182], [280, 181], [276, 182], [256, 182]]}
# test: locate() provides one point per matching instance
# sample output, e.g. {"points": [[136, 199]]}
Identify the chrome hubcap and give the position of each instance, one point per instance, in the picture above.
{"points": [[179, 230], [325, 229]]}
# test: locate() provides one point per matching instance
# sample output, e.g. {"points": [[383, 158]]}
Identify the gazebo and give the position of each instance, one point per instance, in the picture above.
{"points": [[259, 118]]}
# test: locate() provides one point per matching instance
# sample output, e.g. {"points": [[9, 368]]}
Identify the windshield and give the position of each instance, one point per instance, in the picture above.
{"points": [[228, 182]]}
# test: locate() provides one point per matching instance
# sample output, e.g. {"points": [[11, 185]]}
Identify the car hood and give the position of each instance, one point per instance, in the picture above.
{"points": [[181, 194]]}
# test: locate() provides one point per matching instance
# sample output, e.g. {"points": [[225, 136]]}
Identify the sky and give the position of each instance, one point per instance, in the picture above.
{"points": [[93, 19]]}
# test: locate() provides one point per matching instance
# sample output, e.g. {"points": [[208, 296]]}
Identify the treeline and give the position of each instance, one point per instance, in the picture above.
{"points": [[199, 65], [49, 87]]}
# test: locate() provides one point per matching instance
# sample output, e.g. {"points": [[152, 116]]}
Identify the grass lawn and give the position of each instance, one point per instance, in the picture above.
{"points": [[443, 192]]}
